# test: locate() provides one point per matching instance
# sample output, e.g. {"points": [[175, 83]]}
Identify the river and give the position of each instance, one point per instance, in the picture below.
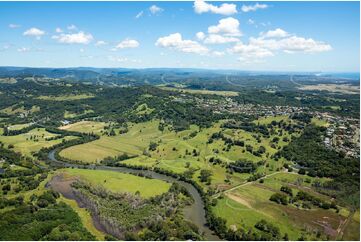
{"points": [[194, 212]]}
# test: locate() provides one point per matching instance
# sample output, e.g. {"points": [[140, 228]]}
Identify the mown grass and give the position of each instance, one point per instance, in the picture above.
{"points": [[120, 182]]}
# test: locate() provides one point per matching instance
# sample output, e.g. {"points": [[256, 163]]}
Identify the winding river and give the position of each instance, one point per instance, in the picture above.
{"points": [[194, 212]]}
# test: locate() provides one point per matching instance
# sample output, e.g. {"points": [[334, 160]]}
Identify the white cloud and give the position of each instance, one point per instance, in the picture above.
{"points": [[201, 6], [277, 33], [250, 51], [82, 50], [58, 30], [219, 39], [140, 14], [248, 8], [274, 42], [154, 9], [176, 42], [23, 49], [14, 26], [292, 44], [76, 38], [127, 43], [200, 35], [72, 27], [35, 32], [100, 43], [227, 26]]}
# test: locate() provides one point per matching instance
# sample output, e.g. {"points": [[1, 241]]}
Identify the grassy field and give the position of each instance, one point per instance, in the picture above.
{"points": [[18, 126], [195, 91], [319, 122], [85, 127], [174, 150], [13, 110], [121, 182], [22, 142], [65, 97], [250, 203], [133, 142], [352, 231], [341, 88]]}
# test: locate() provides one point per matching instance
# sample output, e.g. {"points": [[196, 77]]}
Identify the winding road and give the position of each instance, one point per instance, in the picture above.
{"points": [[195, 212]]}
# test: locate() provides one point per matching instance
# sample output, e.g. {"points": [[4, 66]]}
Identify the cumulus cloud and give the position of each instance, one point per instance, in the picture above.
{"points": [[154, 9], [14, 26], [250, 51], [275, 41], [58, 30], [219, 39], [200, 35], [292, 44], [140, 14], [227, 27], [76, 38], [127, 43], [277, 33], [248, 8], [201, 6], [34, 32], [176, 42]]}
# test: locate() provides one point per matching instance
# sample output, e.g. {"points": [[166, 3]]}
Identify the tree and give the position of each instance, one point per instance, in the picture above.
{"points": [[205, 176]]}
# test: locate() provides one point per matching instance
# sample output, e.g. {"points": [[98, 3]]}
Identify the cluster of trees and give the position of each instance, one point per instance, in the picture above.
{"points": [[10, 132], [310, 153], [138, 218], [286, 197], [243, 166], [42, 218], [111, 161]]}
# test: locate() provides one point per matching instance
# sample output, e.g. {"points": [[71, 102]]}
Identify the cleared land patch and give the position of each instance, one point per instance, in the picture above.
{"points": [[196, 91], [341, 88], [65, 97]]}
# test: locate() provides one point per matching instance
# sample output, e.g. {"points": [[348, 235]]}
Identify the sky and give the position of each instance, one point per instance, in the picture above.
{"points": [[263, 36]]}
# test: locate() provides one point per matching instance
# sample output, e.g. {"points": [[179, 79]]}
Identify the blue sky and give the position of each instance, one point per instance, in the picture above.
{"points": [[268, 36]]}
